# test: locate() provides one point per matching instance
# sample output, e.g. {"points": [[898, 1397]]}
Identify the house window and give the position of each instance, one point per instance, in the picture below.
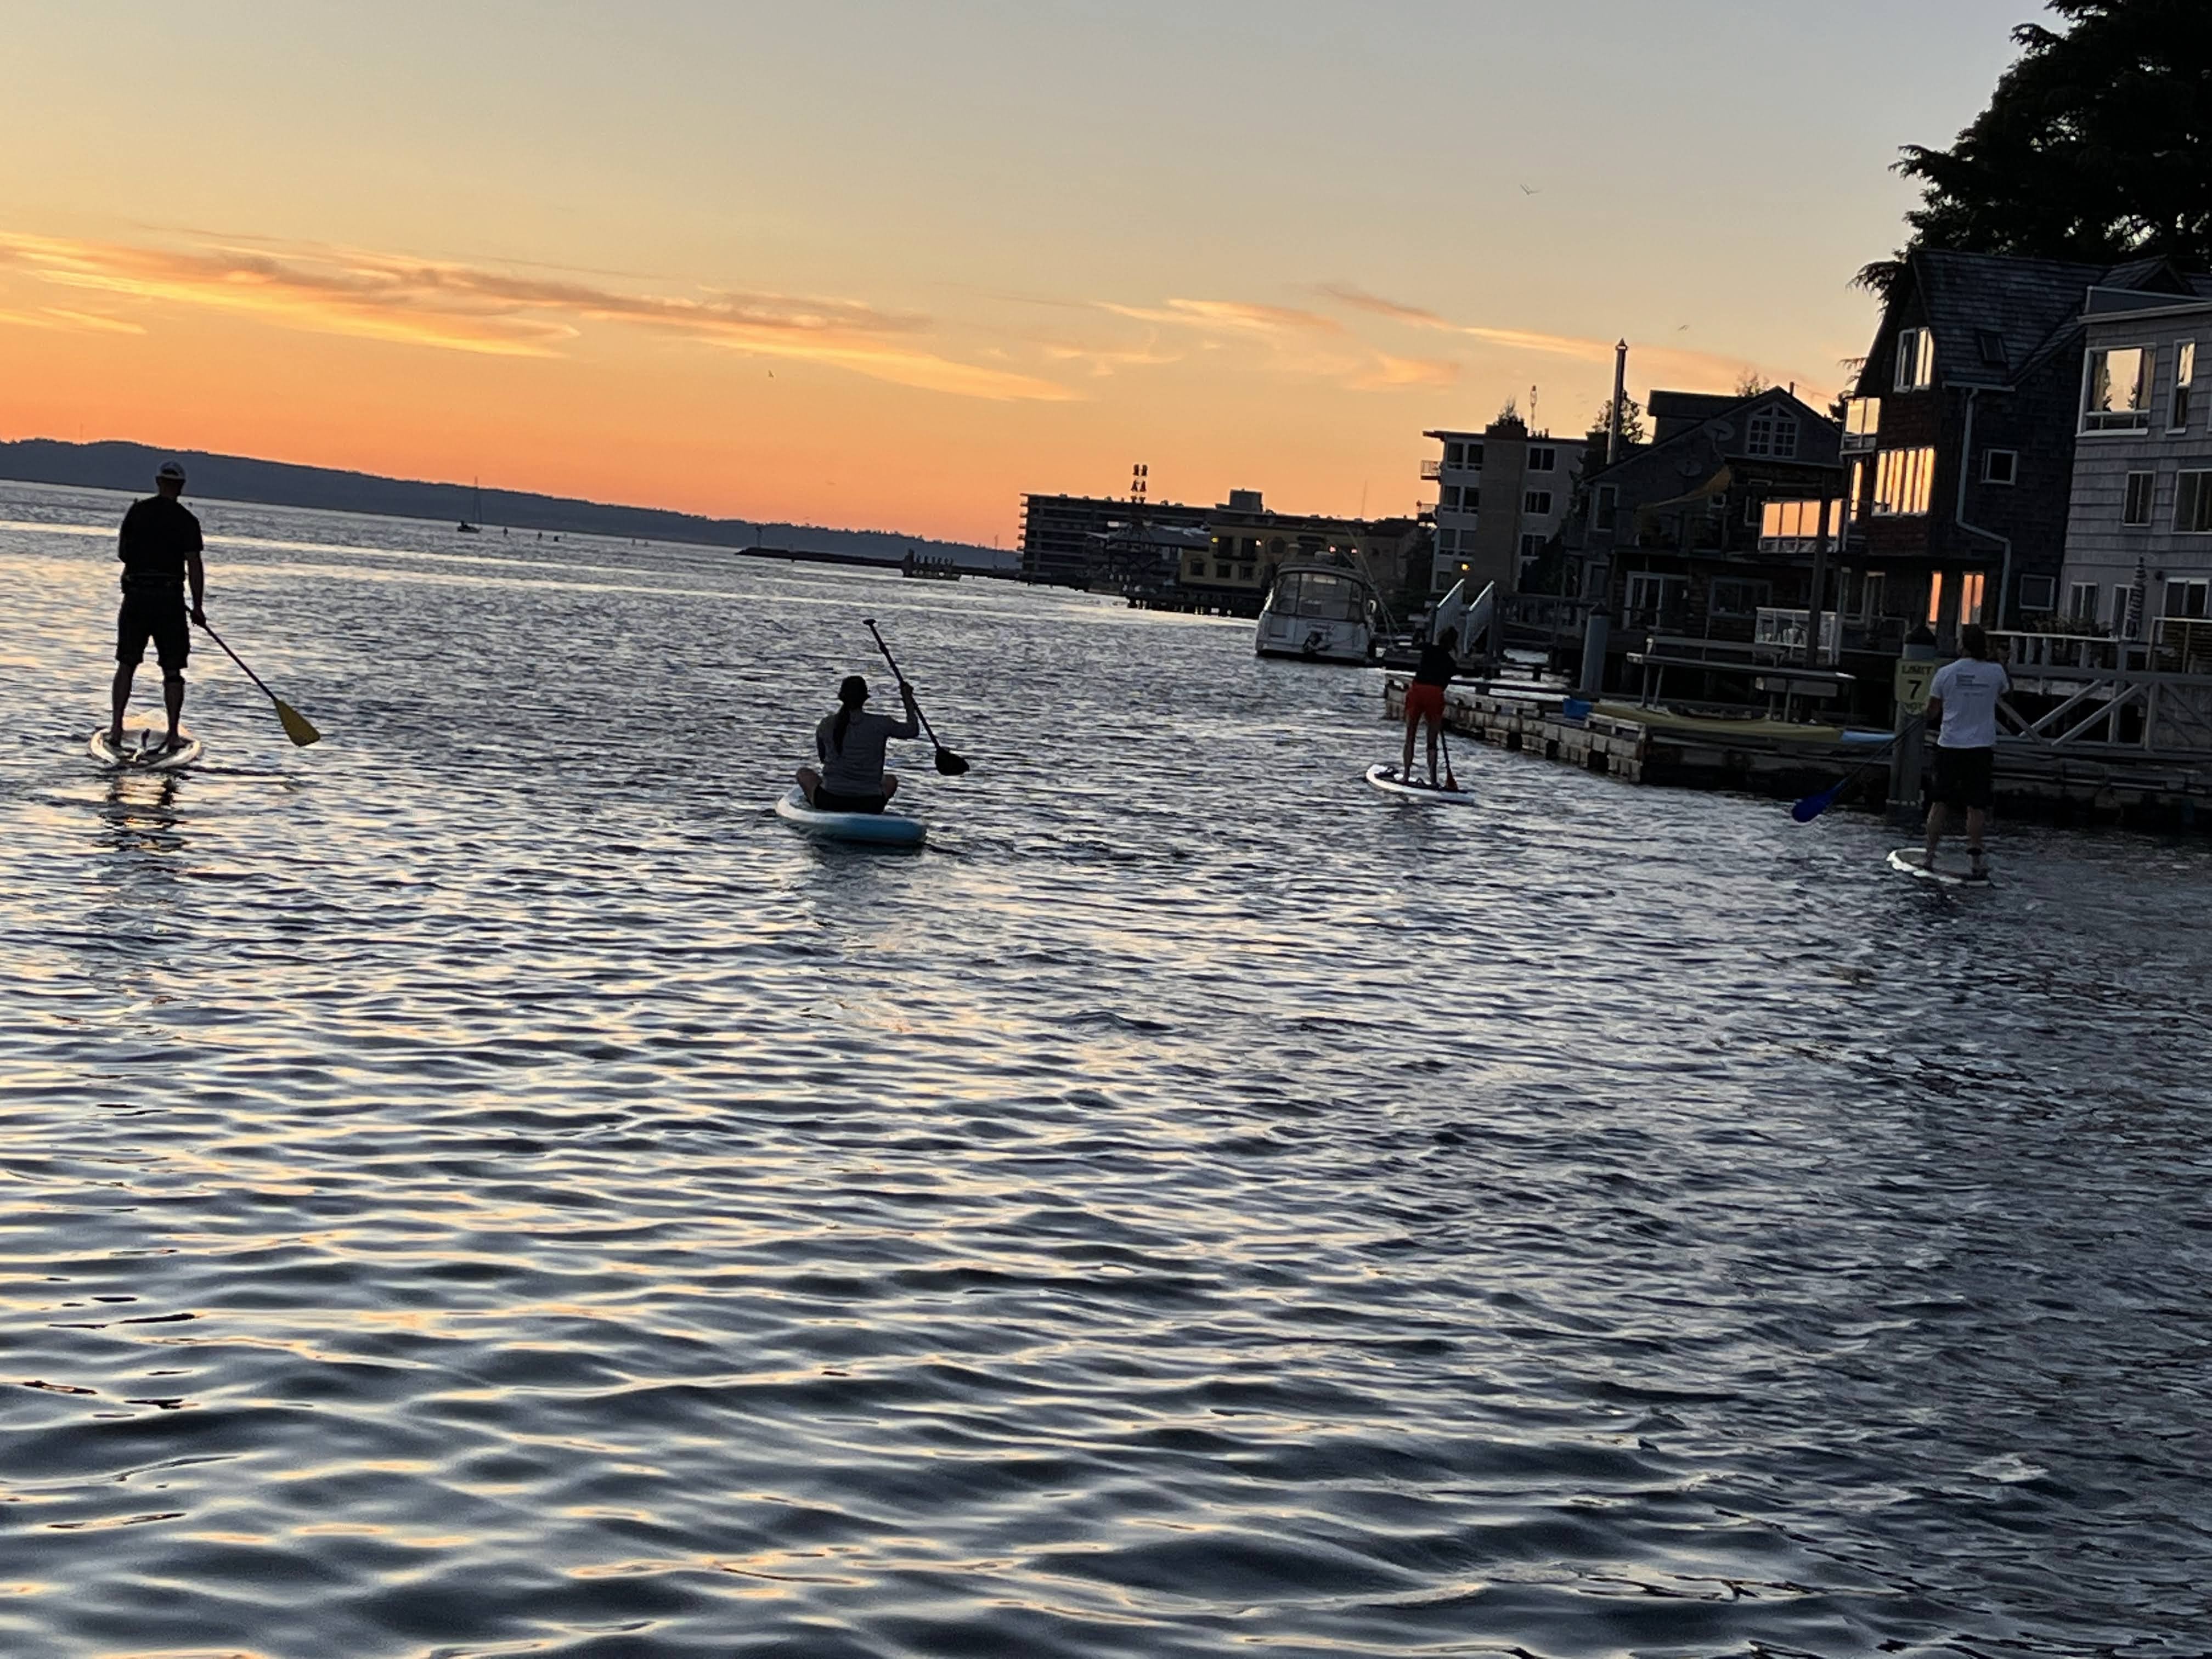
{"points": [[1738, 596], [2189, 598], [1474, 457], [2038, 594], [1197, 565], [2081, 602], [1854, 497], [2000, 466], [2135, 507], [1537, 502], [1542, 458], [1990, 344], [2115, 398], [1771, 432], [2192, 502], [1605, 507], [1916, 360], [1796, 521], [1754, 510], [1455, 454], [1221, 572], [1451, 502], [1530, 547], [1902, 479], [1861, 422], [2185, 387], [1970, 596], [1870, 586], [1653, 597], [1934, 598], [1244, 573]]}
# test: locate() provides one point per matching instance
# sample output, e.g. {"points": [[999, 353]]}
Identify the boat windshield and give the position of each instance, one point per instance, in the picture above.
{"points": [[1318, 595]]}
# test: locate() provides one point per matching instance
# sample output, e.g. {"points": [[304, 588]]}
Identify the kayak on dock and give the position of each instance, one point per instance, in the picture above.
{"points": [[872, 828]]}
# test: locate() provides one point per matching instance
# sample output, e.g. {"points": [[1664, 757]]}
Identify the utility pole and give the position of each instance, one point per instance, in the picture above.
{"points": [[1619, 391]]}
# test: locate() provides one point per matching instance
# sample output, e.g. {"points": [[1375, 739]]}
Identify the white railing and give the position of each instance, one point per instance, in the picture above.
{"points": [[1785, 631]]}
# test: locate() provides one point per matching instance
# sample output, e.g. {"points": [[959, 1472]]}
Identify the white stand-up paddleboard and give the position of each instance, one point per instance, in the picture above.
{"points": [[1951, 871], [1386, 779], [145, 749], [884, 828]]}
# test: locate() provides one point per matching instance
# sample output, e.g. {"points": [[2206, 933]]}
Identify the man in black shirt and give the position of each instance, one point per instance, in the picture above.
{"points": [[160, 548]]}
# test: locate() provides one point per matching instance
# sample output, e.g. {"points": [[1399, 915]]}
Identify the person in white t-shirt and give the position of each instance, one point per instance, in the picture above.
{"points": [[1963, 702]]}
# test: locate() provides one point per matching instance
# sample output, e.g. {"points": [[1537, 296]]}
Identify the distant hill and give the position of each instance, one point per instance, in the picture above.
{"points": [[128, 466]]}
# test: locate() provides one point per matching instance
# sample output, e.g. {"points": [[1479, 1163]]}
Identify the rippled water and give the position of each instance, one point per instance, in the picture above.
{"points": [[480, 1186]]}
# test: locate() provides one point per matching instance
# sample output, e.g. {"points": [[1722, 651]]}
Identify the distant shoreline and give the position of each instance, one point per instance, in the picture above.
{"points": [[121, 465]]}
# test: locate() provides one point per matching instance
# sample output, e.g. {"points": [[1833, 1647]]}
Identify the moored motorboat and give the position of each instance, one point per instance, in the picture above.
{"points": [[1319, 613]]}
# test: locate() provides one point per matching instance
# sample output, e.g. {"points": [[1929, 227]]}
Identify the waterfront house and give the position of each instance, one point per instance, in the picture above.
{"points": [[1710, 531], [2139, 533], [1960, 437], [1247, 544], [1502, 494]]}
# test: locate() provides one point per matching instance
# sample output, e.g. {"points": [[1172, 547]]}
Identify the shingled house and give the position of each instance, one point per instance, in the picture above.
{"points": [[1959, 438], [1700, 531]]}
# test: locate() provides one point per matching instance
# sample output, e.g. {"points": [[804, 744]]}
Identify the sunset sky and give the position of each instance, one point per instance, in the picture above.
{"points": [[890, 265]]}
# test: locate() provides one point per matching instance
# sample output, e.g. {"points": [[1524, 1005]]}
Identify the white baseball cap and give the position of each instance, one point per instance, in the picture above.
{"points": [[170, 470]]}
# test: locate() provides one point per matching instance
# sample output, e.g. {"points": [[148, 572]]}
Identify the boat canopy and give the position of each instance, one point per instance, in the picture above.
{"points": [[1320, 596]]}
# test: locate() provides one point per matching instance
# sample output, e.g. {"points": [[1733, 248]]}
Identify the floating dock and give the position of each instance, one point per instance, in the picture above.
{"points": [[2151, 789]]}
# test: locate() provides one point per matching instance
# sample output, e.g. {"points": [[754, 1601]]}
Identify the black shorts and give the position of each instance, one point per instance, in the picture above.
{"points": [[1961, 777], [828, 800], [157, 615]]}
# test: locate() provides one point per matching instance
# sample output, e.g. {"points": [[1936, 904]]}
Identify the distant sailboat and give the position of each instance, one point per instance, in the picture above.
{"points": [[464, 527]]}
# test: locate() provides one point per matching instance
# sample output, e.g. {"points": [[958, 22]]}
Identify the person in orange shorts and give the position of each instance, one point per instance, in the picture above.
{"points": [[1424, 701]]}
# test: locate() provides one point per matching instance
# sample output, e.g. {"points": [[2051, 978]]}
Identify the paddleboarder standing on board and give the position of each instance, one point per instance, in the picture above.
{"points": [[851, 743], [160, 548], [1963, 701], [1424, 702]]}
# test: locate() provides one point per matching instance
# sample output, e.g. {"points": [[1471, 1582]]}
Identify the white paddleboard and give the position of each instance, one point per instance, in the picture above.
{"points": [[1386, 779], [876, 829], [145, 749], [1952, 873]]}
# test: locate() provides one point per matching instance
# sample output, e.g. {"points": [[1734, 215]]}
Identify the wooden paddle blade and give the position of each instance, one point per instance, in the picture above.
{"points": [[950, 764], [296, 725]]}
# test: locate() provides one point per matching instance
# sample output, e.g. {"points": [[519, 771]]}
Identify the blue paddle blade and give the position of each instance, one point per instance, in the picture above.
{"points": [[1813, 806]]}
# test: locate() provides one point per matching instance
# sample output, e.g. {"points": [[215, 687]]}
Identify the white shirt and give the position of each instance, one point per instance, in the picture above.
{"points": [[1969, 689]]}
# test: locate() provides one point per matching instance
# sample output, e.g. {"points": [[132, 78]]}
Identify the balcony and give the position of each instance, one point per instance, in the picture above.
{"points": [[1432, 469]]}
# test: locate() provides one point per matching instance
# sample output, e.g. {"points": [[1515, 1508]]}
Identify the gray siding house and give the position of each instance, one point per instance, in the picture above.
{"points": [[2139, 532]]}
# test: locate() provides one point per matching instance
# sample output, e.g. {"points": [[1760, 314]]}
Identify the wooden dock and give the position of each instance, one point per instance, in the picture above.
{"points": [[2150, 790]]}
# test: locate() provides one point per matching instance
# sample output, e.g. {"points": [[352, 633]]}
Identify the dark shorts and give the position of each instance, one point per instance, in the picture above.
{"points": [[1960, 777], [828, 800], [1424, 701], [157, 615]]}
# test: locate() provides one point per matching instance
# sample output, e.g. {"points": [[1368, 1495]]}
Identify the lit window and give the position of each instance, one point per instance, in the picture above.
{"points": [[2135, 508], [1902, 480], [1861, 422], [1796, 521], [2000, 466], [1970, 596], [1935, 599], [2192, 503], [1537, 501], [2114, 397], [1543, 458], [2081, 602], [2184, 383], [1916, 360]]}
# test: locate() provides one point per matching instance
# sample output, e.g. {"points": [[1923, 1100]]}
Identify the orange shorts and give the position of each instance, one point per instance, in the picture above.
{"points": [[1424, 701]]}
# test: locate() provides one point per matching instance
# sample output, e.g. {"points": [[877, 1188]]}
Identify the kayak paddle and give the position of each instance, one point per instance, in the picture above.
{"points": [[296, 725], [947, 763]]}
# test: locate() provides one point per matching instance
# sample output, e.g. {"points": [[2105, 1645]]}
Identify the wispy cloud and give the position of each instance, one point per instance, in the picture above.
{"points": [[455, 306], [1390, 372], [1238, 315], [59, 317]]}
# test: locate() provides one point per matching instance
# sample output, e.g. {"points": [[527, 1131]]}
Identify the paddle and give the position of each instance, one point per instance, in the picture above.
{"points": [[1450, 783], [1813, 804], [947, 763], [296, 725]]}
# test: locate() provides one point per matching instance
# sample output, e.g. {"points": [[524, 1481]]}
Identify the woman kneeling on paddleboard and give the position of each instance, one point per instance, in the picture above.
{"points": [[851, 743]]}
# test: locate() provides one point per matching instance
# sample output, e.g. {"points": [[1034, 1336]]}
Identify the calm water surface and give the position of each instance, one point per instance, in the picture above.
{"points": [[480, 1186]]}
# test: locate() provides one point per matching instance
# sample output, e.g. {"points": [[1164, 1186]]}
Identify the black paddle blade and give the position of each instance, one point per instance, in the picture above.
{"points": [[950, 764]]}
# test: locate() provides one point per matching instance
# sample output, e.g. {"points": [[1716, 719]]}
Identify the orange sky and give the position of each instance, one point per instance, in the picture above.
{"points": [[862, 268]]}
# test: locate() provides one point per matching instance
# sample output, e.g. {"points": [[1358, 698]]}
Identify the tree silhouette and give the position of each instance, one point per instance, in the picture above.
{"points": [[2096, 145]]}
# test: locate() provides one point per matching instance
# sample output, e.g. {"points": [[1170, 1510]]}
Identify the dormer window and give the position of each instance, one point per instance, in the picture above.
{"points": [[1990, 344], [1916, 360], [1771, 431]]}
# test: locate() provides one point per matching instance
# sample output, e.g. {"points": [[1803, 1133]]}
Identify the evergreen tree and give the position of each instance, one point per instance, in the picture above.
{"points": [[2096, 145], [1632, 424]]}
